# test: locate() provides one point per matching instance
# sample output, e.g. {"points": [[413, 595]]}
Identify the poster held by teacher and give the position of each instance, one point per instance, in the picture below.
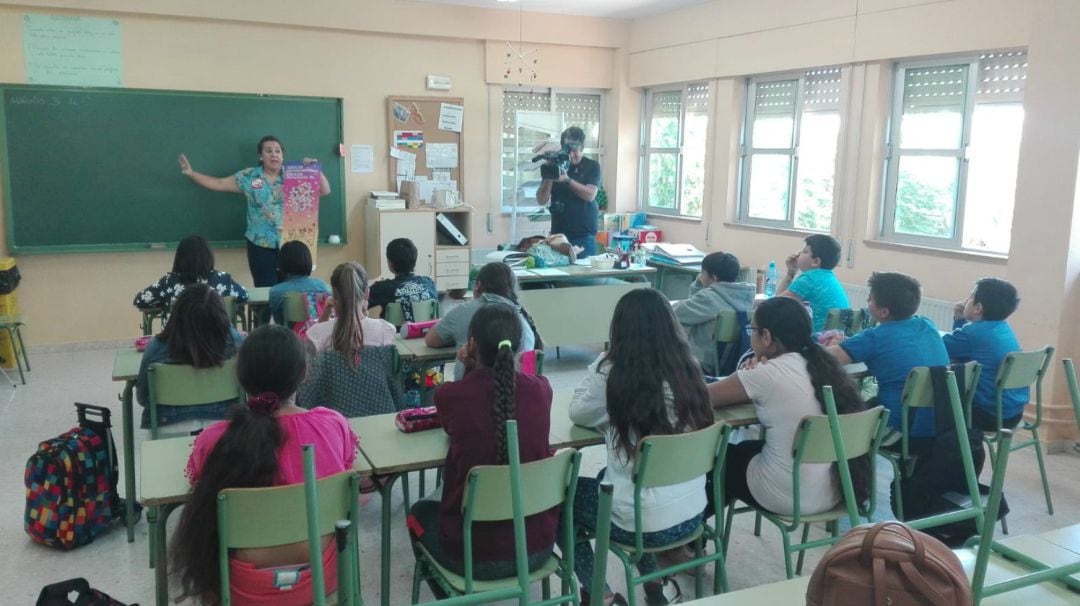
{"points": [[300, 211]]}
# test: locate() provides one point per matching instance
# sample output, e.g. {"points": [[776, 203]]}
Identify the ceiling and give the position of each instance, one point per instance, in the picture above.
{"points": [[612, 9]]}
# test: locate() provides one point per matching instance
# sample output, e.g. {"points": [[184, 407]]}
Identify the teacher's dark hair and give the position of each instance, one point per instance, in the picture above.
{"points": [[294, 259], [649, 363], [269, 139], [271, 360], [194, 261]]}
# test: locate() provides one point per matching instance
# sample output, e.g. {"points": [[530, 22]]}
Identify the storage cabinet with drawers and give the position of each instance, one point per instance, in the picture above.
{"points": [[438, 254]]}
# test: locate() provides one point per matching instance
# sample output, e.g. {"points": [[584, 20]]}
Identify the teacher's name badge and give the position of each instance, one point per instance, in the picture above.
{"points": [[256, 183]]}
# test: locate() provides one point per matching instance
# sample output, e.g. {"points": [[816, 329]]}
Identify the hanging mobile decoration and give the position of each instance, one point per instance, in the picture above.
{"points": [[520, 57]]}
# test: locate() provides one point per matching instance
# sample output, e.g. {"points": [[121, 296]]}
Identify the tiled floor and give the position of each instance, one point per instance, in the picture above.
{"points": [[42, 409]]}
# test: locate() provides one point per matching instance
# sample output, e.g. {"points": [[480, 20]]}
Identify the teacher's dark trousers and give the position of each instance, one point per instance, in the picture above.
{"points": [[263, 264]]}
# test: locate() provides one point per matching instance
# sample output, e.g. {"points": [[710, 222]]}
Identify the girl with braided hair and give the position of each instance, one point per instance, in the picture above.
{"points": [[260, 445], [474, 411]]}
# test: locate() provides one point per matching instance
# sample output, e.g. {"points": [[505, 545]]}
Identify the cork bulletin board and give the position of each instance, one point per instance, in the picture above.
{"points": [[430, 128]]}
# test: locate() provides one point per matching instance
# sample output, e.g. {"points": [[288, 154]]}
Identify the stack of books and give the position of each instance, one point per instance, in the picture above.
{"points": [[386, 200], [680, 254]]}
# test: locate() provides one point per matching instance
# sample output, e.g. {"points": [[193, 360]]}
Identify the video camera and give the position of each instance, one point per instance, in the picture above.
{"points": [[554, 162]]}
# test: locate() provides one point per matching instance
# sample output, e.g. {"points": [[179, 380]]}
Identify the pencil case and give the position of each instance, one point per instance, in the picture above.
{"points": [[415, 330], [417, 419], [142, 342]]}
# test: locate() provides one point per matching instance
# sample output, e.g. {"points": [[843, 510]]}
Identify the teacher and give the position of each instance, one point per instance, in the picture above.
{"points": [[262, 185]]}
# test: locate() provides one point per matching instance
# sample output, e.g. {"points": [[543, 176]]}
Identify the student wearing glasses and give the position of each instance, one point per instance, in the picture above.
{"points": [[573, 195]]}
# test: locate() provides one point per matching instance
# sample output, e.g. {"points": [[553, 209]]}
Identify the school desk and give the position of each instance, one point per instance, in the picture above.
{"points": [[568, 275], [258, 300], [575, 316]]}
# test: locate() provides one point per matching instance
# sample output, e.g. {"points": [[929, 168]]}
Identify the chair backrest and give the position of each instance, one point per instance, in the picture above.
{"points": [[543, 483], [677, 458], [1023, 368], [1074, 389], [426, 310], [918, 389], [183, 385], [369, 388], [834, 319], [394, 314], [230, 308], [728, 328], [814, 441]]}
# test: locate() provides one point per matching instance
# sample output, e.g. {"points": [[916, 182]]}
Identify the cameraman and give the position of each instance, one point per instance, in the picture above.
{"points": [[573, 195]]}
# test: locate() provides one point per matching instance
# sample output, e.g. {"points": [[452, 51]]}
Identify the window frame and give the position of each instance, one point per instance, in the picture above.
{"points": [[596, 153], [894, 153], [747, 151], [679, 150]]}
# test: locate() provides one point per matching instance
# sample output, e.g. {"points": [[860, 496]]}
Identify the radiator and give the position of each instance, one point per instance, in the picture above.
{"points": [[938, 311]]}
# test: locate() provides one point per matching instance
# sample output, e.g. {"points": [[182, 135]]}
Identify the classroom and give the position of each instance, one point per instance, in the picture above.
{"points": [[668, 93]]}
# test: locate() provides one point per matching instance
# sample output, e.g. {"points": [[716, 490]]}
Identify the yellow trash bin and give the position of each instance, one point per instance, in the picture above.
{"points": [[9, 306]]}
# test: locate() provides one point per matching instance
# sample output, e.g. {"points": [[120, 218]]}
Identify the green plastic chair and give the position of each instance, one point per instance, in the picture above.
{"points": [[236, 318], [13, 324], [860, 320], [295, 308], [426, 310], [828, 438], [660, 461], [251, 518], [394, 314], [183, 385], [919, 393], [986, 548], [728, 330], [534, 487], [1022, 369]]}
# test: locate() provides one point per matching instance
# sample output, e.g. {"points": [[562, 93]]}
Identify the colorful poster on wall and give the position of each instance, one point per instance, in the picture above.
{"points": [[300, 213], [409, 138]]}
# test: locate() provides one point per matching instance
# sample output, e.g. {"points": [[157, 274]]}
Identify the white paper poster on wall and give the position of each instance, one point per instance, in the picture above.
{"points": [[441, 155], [363, 158], [451, 117], [72, 50]]}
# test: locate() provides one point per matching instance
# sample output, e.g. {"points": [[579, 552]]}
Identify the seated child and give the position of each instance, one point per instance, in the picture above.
{"points": [[192, 264], [294, 273], [198, 334], [406, 287], [494, 285], [714, 290], [784, 381], [647, 383], [901, 341], [552, 251], [474, 411], [350, 328], [817, 285], [987, 338], [260, 445]]}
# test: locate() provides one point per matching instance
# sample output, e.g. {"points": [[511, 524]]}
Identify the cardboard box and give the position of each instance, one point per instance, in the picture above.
{"points": [[647, 233]]}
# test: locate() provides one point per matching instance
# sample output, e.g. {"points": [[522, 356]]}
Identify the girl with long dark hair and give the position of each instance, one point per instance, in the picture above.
{"points": [[193, 263], [474, 411], [260, 445], [785, 381], [647, 383], [495, 283]]}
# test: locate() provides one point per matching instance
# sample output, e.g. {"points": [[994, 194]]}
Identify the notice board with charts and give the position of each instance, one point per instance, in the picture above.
{"points": [[425, 138]]}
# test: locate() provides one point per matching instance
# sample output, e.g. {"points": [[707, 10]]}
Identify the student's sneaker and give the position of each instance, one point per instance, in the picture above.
{"points": [[668, 592]]}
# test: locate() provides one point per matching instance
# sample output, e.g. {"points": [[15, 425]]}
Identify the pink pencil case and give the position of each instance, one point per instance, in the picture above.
{"points": [[142, 342], [415, 330], [417, 419]]}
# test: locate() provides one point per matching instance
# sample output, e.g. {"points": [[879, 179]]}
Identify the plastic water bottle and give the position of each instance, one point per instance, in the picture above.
{"points": [[770, 280]]}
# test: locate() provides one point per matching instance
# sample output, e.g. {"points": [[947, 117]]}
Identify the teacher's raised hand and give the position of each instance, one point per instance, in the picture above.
{"points": [[185, 166]]}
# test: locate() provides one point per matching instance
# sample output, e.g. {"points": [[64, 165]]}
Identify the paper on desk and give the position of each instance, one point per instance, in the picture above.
{"points": [[521, 272], [583, 262], [548, 271]]}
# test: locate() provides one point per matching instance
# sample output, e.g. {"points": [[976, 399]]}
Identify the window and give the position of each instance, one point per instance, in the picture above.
{"points": [[673, 160], [788, 151], [535, 116], [953, 148]]}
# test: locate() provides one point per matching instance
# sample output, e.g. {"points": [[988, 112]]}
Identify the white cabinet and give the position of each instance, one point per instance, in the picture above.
{"points": [[438, 256]]}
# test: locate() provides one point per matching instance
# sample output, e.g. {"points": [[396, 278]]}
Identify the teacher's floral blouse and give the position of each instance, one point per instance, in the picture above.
{"points": [[264, 202]]}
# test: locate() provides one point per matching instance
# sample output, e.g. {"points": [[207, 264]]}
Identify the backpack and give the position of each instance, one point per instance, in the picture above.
{"points": [[71, 494], [888, 564], [57, 594], [314, 303]]}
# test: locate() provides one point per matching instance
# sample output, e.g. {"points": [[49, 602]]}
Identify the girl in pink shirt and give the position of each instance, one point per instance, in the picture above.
{"points": [[260, 445]]}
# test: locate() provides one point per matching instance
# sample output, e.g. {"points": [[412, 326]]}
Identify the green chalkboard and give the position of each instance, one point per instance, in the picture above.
{"points": [[95, 169]]}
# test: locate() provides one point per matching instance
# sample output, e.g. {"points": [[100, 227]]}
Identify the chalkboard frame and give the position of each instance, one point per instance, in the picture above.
{"points": [[13, 246]]}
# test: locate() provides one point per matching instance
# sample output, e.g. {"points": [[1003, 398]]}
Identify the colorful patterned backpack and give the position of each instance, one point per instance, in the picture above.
{"points": [[70, 482]]}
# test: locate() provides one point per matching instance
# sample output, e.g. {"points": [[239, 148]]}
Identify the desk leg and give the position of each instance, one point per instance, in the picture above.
{"points": [[129, 459], [161, 571], [385, 485]]}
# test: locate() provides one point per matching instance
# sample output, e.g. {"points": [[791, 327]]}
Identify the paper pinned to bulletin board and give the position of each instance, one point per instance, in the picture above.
{"points": [[421, 145], [300, 208]]}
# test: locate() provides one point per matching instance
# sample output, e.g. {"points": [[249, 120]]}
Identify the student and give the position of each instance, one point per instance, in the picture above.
{"points": [[901, 341], [987, 338], [817, 285], [647, 383], [193, 263], [551, 251], [350, 329], [294, 273], [474, 411], [714, 290], [406, 288], [785, 380], [494, 284], [260, 445], [197, 334]]}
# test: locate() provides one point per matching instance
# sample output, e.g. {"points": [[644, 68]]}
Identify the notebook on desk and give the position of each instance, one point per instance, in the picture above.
{"points": [[682, 254]]}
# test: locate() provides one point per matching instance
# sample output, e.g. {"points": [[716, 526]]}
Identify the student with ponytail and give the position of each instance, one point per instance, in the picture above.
{"points": [[474, 411], [260, 445], [495, 283], [785, 380], [350, 329]]}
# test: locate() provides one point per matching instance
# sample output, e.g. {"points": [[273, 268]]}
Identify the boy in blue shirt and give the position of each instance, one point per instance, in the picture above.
{"points": [[980, 333], [817, 285], [901, 341]]}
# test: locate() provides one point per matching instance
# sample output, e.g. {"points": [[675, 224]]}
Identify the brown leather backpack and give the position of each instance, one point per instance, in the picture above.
{"points": [[889, 564]]}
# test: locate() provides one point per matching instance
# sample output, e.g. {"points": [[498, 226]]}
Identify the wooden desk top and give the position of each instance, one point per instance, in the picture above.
{"points": [[258, 295], [418, 351], [572, 272]]}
